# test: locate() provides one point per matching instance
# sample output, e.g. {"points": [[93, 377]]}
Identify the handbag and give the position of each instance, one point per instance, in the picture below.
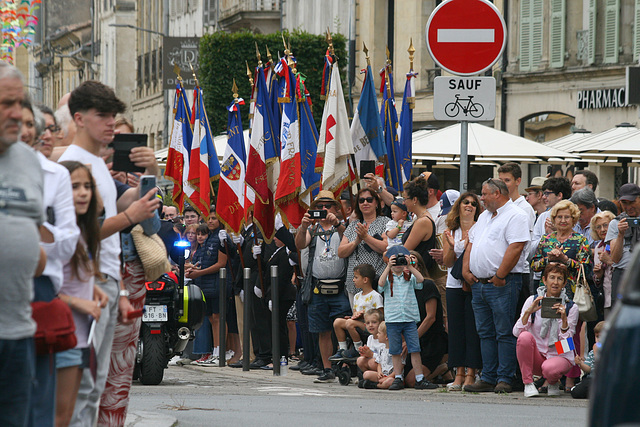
{"points": [[583, 299], [152, 253], [56, 329]]}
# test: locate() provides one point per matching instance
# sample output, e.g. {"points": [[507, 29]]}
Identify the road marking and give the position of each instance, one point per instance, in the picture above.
{"points": [[466, 35], [296, 391]]}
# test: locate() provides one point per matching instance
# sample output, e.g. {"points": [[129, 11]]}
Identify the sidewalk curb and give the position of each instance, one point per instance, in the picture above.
{"points": [[149, 419]]}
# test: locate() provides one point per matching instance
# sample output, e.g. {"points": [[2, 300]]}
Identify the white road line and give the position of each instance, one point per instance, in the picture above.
{"points": [[466, 35]]}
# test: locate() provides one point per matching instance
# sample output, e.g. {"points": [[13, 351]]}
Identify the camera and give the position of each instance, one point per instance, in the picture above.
{"points": [[401, 260], [633, 222], [318, 214]]}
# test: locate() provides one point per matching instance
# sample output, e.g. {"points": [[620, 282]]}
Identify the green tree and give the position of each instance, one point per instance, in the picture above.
{"points": [[223, 56]]}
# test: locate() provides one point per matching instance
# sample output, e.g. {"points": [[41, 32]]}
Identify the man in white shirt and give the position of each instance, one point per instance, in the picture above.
{"points": [[491, 264], [94, 107]]}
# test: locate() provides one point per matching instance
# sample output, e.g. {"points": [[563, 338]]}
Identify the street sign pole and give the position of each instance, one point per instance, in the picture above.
{"points": [[464, 158]]}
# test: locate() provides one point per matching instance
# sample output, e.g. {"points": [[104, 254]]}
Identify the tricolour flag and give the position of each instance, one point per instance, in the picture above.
{"points": [[366, 129], [565, 345], [179, 146], [335, 147], [231, 194], [308, 150], [257, 173], [290, 177], [389, 117], [405, 130], [204, 166]]}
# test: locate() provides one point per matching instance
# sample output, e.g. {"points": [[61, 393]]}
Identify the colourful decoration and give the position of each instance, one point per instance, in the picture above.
{"points": [[18, 25]]}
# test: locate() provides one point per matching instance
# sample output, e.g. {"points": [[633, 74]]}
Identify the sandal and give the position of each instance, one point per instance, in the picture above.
{"points": [[454, 387]]}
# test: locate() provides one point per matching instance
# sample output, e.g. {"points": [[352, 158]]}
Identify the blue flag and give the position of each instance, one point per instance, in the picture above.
{"points": [[366, 129], [389, 117], [405, 131], [308, 152], [207, 143]]}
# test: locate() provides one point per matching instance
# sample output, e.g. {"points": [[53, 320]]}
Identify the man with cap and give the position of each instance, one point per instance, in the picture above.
{"points": [[622, 234], [534, 195], [323, 287]]}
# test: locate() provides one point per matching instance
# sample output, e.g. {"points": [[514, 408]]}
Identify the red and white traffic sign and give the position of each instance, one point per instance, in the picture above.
{"points": [[466, 37]]}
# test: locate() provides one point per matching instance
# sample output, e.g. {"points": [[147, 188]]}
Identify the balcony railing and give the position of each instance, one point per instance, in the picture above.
{"points": [[230, 8]]}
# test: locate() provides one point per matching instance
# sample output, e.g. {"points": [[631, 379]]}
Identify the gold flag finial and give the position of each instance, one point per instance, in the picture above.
{"points": [[330, 42], [176, 70], [235, 91], [411, 51], [249, 74], [286, 48], [269, 54], [366, 53], [388, 56], [258, 55], [193, 73]]}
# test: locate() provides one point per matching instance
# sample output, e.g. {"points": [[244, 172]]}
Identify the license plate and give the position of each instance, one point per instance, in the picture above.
{"points": [[155, 313]]}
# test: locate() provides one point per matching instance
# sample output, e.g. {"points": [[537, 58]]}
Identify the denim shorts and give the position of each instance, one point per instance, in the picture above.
{"points": [[409, 330], [75, 357], [323, 309]]}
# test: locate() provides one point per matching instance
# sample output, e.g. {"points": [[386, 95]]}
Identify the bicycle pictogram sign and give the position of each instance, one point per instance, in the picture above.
{"points": [[468, 99], [475, 109]]}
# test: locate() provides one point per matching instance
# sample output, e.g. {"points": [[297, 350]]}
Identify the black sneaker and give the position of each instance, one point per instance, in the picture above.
{"points": [[299, 366], [352, 353], [398, 384], [327, 377], [338, 356], [423, 384], [311, 370], [480, 386], [368, 384]]}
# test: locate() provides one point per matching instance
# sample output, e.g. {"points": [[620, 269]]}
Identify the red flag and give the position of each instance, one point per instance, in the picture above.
{"points": [[180, 140]]}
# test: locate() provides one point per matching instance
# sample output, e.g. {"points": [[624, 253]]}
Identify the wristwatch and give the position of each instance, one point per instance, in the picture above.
{"points": [[379, 189], [124, 293]]}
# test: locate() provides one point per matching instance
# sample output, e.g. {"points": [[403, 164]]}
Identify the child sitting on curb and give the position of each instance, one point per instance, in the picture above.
{"points": [[368, 353]]}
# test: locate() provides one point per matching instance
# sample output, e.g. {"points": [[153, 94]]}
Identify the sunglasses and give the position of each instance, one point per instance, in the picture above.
{"points": [[365, 199], [470, 202], [326, 206], [52, 128]]}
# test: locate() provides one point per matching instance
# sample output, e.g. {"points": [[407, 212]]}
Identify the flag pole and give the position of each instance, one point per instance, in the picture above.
{"points": [[235, 101], [386, 106]]}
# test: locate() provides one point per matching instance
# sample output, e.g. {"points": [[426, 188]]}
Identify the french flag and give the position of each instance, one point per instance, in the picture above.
{"points": [[565, 345]]}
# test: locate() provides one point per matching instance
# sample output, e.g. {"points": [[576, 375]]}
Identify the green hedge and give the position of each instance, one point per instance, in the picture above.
{"points": [[223, 56]]}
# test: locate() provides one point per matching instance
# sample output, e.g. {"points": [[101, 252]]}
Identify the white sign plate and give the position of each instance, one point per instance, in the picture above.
{"points": [[464, 99], [155, 313]]}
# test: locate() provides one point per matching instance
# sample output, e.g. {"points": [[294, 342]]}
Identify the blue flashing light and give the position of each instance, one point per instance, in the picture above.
{"points": [[182, 244]]}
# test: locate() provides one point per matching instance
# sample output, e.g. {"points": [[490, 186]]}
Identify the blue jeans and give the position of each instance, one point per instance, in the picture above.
{"points": [[203, 342], [495, 312], [408, 330], [17, 375]]}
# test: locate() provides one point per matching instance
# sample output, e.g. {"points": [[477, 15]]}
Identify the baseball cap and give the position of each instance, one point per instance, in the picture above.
{"points": [[629, 192], [447, 200], [432, 180], [398, 250], [536, 184]]}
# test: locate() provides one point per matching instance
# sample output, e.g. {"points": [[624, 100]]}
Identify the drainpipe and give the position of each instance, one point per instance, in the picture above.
{"points": [[503, 85]]}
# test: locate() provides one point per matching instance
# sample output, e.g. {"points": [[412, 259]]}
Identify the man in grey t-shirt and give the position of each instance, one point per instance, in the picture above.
{"points": [[621, 236], [21, 215]]}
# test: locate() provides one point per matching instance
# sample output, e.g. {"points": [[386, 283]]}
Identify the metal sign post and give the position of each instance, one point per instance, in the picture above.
{"points": [[464, 158]]}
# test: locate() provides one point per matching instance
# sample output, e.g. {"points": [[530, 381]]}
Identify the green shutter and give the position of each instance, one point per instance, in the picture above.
{"points": [[537, 24], [611, 31], [525, 35], [591, 39], [556, 36], [636, 32]]}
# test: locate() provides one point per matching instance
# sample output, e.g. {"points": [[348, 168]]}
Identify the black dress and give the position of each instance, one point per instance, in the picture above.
{"points": [[424, 246], [434, 343]]}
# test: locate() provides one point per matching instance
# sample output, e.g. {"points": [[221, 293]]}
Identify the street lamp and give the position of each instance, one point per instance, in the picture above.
{"points": [[138, 28]]}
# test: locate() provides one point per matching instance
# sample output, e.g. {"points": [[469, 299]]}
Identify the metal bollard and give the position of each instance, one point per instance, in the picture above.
{"points": [[222, 286], [275, 321], [246, 339]]}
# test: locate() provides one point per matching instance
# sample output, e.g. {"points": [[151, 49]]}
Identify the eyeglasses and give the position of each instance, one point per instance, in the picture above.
{"points": [[52, 128], [365, 199], [326, 206], [547, 193], [470, 202]]}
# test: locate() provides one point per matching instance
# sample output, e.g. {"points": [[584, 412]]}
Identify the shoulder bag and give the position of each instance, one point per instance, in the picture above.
{"points": [[56, 329], [583, 299]]}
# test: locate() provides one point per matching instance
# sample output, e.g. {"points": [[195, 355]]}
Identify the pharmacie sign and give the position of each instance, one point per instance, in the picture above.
{"points": [[601, 98]]}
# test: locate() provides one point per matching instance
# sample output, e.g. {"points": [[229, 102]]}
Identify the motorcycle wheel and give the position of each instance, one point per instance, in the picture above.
{"points": [[154, 357]]}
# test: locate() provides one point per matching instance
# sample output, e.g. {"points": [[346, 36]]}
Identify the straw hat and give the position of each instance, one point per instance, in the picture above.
{"points": [[324, 196], [152, 253], [536, 184]]}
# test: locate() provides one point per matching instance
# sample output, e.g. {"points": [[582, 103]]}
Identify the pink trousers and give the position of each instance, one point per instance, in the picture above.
{"points": [[533, 362], [115, 398]]}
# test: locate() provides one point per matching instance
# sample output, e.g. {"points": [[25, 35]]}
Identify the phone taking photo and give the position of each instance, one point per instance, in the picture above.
{"points": [[122, 144]]}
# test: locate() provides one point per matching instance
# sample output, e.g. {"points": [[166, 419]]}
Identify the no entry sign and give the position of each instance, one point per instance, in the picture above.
{"points": [[466, 37]]}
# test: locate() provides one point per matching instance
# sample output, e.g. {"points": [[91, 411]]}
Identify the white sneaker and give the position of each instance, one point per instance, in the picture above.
{"points": [[184, 361], [174, 360], [210, 362], [530, 390], [228, 355], [553, 390]]}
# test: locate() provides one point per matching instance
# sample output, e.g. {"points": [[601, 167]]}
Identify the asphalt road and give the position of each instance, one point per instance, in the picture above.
{"points": [[198, 396]]}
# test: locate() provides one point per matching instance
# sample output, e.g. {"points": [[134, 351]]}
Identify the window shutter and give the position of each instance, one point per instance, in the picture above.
{"points": [[611, 31], [525, 35], [591, 40], [537, 21], [557, 32], [636, 32]]}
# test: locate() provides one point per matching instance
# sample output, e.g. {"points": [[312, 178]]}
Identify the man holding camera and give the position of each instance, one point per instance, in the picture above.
{"points": [[624, 233], [323, 288]]}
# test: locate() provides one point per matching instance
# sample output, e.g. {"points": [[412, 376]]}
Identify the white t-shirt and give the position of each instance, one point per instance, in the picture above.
{"points": [[375, 346], [522, 203], [109, 247], [491, 236], [362, 302], [385, 361], [458, 247], [397, 241]]}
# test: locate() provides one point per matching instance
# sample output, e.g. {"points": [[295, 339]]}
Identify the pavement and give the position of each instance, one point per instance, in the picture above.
{"points": [[194, 395]]}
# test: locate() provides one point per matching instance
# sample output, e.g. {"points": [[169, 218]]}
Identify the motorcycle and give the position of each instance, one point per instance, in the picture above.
{"points": [[171, 315]]}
